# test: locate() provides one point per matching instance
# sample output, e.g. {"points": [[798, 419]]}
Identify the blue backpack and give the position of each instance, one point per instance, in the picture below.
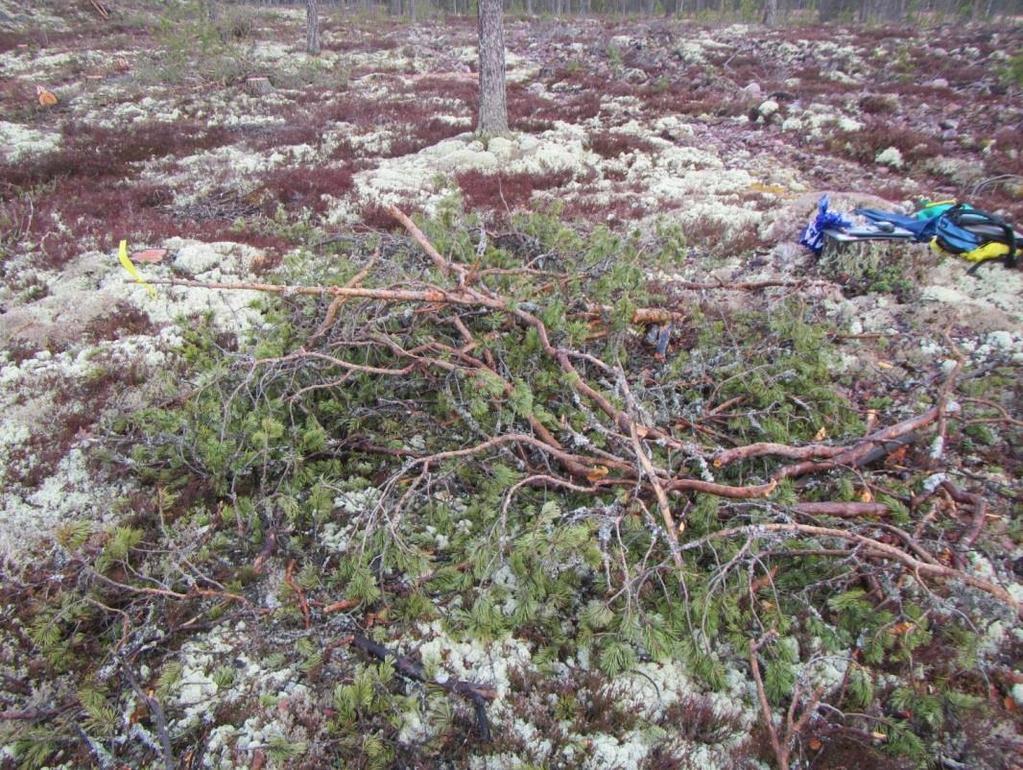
{"points": [[959, 229]]}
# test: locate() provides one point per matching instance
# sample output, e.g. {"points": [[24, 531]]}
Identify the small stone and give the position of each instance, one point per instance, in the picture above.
{"points": [[948, 124], [752, 91], [768, 108], [937, 83]]}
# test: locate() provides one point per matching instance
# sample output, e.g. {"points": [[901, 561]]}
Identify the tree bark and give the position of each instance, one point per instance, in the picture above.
{"points": [[771, 12], [493, 114], [312, 28]]}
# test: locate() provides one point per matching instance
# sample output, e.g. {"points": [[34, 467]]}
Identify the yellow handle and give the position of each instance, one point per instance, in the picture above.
{"points": [[132, 270]]}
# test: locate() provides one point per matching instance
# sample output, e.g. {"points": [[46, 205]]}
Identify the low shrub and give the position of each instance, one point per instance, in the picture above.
{"points": [[504, 191], [611, 144], [303, 187]]}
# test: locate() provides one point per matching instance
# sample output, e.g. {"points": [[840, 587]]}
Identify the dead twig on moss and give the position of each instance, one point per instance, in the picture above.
{"points": [[335, 306], [745, 285], [782, 743], [979, 506], [29, 715], [100, 8], [841, 509], [671, 531], [830, 456], [477, 694], [289, 580], [159, 717], [871, 547]]}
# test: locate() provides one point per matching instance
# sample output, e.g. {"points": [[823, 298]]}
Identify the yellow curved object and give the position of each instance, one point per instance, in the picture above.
{"points": [[992, 250], [128, 265]]}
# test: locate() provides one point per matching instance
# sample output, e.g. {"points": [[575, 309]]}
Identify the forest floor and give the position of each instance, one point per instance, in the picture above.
{"points": [[215, 504]]}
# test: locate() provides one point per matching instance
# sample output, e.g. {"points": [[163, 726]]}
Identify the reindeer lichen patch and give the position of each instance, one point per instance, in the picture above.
{"points": [[18, 141]]}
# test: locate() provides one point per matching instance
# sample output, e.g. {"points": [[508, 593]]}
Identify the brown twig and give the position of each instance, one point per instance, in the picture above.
{"points": [[671, 531], [335, 305], [100, 9], [745, 285], [863, 451], [872, 547], [780, 752], [193, 592], [477, 694], [841, 509], [979, 505], [837, 455], [28, 715], [445, 266], [781, 744], [159, 717], [289, 579]]}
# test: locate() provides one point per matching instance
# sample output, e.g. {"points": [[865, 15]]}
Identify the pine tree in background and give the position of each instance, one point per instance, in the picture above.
{"points": [[312, 28], [493, 114]]}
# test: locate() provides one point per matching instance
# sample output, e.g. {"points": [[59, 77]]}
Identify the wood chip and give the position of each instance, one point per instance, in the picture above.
{"points": [[149, 256]]}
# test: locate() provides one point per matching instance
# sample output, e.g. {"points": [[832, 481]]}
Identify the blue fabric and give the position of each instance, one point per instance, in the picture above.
{"points": [[957, 238], [813, 236], [922, 229]]}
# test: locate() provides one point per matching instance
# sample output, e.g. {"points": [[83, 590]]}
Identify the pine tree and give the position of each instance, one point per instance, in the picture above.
{"points": [[312, 28], [493, 114]]}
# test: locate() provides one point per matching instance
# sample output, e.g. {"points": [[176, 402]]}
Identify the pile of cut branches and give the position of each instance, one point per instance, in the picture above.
{"points": [[566, 418], [656, 476]]}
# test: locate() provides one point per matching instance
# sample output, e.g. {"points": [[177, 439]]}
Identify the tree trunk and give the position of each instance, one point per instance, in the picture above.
{"points": [[312, 28], [771, 12], [493, 115]]}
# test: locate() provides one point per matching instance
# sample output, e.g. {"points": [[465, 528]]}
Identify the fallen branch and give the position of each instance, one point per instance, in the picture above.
{"points": [[979, 505], [840, 509], [745, 285], [101, 9], [445, 266], [648, 470], [156, 710], [28, 715], [477, 694], [431, 296], [335, 306], [835, 455], [289, 579], [876, 548], [781, 744]]}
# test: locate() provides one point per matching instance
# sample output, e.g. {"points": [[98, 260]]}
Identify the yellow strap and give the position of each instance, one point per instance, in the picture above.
{"points": [[128, 265], [992, 250], [988, 251]]}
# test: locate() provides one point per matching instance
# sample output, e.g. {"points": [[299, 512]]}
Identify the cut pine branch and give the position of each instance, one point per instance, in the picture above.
{"points": [[919, 568]]}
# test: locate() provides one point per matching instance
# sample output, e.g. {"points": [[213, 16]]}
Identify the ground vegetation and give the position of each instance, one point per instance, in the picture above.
{"points": [[550, 449]]}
